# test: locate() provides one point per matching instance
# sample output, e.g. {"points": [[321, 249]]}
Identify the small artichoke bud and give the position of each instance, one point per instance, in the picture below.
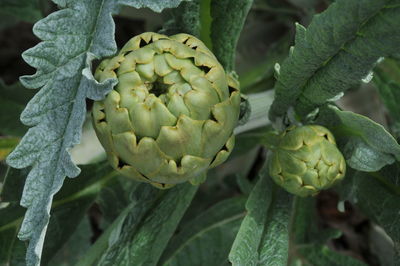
{"points": [[306, 160], [172, 113]]}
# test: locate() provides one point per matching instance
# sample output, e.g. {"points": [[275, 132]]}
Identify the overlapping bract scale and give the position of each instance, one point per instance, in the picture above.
{"points": [[172, 113], [307, 160]]}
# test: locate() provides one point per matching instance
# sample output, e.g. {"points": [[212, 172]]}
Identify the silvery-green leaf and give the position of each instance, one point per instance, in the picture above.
{"points": [[71, 37]]}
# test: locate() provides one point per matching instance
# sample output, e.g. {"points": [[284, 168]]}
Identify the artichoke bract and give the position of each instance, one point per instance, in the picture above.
{"points": [[172, 113], [306, 160]]}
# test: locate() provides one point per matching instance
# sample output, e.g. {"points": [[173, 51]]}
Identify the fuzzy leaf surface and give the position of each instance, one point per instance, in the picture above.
{"points": [[338, 49], [185, 19], [155, 5], [274, 247], [263, 236], [57, 111], [247, 242], [228, 17]]}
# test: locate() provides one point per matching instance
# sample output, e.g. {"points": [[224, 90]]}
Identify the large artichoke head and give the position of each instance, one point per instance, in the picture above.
{"points": [[172, 113], [307, 160]]}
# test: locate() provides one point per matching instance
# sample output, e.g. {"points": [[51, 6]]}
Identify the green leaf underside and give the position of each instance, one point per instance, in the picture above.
{"points": [[246, 245], [338, 49], [72, 201], [207, 239], [228, 17], [366, 145], [263, 235], [274, 247], [377, 195], [71, 38], [141, 234]]}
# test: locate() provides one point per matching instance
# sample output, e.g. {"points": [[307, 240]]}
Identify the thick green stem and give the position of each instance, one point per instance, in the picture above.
{"points": [[260, 104], [205, 23]]}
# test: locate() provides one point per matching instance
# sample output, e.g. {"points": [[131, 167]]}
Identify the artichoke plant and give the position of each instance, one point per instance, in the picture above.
{"points": [[172, 113], [306, 160]]}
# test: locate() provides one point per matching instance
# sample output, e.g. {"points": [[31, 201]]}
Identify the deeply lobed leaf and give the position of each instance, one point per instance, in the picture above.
{"points": [[72, 37]]}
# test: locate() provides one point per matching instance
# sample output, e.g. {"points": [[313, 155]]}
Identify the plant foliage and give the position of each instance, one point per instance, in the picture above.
{"points": [[338, 49], [239, 216]]}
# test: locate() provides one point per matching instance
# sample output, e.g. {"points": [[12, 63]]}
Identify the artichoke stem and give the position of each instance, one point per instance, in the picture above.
{"points": [[259, 104]]}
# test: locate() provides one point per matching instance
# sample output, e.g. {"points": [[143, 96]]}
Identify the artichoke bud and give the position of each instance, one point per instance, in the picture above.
{"points": [[306, 160], [172, 113]]}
